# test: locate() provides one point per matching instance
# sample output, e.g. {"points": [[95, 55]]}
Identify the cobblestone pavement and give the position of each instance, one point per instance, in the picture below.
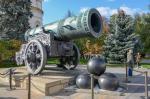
{"points": [[135, 88], [17, 93]]}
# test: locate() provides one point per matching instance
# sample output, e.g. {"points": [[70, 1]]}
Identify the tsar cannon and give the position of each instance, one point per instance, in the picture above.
{"points": [[56, 40]]}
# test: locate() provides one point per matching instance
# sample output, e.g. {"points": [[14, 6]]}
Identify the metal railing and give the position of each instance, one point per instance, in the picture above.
{"points": [[9, 73], [29, 86], [145, 80]]}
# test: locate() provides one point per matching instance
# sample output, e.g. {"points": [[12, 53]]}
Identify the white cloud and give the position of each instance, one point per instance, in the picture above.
{"points": [[84, 9], [107, 11], [130, 11]]}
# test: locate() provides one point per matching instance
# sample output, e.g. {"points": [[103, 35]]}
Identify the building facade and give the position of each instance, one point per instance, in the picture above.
{"points": [[36, 8]]}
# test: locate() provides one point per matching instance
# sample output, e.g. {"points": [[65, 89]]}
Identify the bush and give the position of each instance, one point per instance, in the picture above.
{"points": [[8, 48], [7, 64]]}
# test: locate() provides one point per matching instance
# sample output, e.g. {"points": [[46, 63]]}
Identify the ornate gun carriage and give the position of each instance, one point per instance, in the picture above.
{"points": [[55, 40]]}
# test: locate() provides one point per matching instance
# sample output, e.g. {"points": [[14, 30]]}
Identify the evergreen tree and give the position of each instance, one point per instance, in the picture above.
{"points": [[120, 38], [14, 16]]}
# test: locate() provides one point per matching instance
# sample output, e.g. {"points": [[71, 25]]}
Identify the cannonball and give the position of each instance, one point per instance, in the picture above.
{"points": [[83, 81], [108, 81], [96, 66]]}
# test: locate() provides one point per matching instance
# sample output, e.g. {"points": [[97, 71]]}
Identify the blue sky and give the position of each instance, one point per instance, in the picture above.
{"points": [[57, 9]]}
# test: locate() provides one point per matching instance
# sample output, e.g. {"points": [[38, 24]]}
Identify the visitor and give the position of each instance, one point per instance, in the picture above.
{"points": [[130, 62], [138, 58]]}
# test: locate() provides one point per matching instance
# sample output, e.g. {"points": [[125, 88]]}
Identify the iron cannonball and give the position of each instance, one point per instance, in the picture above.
{"points": [[83, 81], [108, 81], [96, 66]]}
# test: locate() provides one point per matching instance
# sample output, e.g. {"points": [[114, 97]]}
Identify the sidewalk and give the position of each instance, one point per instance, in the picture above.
{"points": [[135, 89], [16, 94], [145, 61]]}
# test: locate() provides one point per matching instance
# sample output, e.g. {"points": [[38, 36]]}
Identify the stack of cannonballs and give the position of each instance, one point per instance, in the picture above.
{"points": [[97, 67]]}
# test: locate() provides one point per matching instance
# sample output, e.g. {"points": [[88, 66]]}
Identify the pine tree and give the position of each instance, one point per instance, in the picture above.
{"points": [[121, 38], [14, 16]]}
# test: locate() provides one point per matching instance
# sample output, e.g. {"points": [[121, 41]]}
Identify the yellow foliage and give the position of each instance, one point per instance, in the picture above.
{"points": [[92, 48], [8, 49]]}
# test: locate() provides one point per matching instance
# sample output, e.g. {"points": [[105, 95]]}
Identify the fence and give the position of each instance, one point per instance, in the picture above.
{"points": [[145, 73], [29, 86], [146, 81], [10, 73]]}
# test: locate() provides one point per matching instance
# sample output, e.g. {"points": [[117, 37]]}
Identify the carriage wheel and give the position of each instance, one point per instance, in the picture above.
{"points": [[35, 57], [71, 62]]}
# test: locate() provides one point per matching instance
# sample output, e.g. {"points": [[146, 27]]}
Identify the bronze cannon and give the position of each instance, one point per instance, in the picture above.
{"points": [[55, 40]]}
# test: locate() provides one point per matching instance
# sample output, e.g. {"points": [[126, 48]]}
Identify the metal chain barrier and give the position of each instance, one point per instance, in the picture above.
{"points": [[29, 86], [146, 85], [145, 81], [92, 86], [10, 79], [5, 73], [9, 73]]}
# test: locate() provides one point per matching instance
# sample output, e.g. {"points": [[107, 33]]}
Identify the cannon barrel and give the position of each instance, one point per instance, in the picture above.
{"points": [[87, 24]]}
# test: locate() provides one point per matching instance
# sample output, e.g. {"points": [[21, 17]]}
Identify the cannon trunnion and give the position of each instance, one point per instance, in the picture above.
{"points": [[55, 40]]}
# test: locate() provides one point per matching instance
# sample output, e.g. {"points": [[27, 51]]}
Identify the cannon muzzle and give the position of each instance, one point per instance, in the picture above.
{"points": [[87, 24]]}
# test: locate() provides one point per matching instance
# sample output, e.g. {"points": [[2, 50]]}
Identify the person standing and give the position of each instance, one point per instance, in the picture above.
{"points": [[130, 62], [138, 58]]}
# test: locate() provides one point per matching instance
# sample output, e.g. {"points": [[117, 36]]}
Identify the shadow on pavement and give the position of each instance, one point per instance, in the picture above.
{"points": [[7, 98], [2, 85]]}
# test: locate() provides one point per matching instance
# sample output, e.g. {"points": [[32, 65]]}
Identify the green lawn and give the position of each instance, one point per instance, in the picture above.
{"points": [[82, 62], [146, 65], [146, 58], [56, 61], [52, 61], [115, 65], [7, 64]]}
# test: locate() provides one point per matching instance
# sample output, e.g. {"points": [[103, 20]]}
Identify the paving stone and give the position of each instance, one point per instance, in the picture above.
{"points": [[135, 89]]}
